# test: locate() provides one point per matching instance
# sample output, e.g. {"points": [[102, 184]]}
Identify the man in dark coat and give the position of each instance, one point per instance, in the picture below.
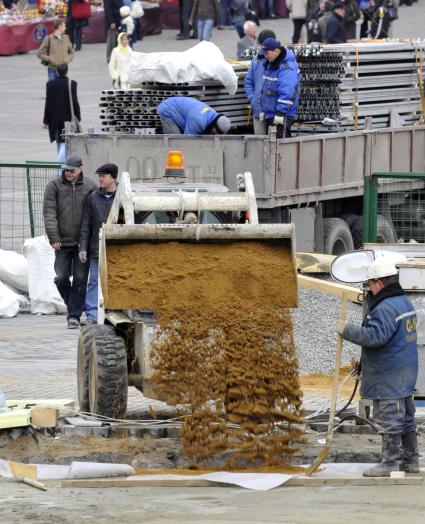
{"points": [[63, 207], [96, 213], [335, 32], [57, 109], [113, 20]]}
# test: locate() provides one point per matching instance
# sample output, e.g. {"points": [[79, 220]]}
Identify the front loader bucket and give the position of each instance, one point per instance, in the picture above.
{"points": [[142, 264]]}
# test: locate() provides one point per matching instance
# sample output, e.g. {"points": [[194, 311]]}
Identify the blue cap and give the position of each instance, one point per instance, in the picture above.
{"points": [[270, 44]]}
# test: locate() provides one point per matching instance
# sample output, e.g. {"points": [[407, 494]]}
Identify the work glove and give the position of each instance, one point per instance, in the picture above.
{"points": [[82, 255], [340, 326], [261, 117], [279, 120]]}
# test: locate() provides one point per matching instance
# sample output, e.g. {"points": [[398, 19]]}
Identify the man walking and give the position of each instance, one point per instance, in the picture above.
{"points": [[184, 115], [63, 206], [96, 213], [55, 49], [389, 367], [281, 87]]}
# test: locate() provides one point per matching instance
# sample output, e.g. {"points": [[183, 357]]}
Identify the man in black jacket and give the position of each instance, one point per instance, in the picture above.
{"points": [[63, 206], [57, 109], [335, 32], [96, 213], [113, 20]]}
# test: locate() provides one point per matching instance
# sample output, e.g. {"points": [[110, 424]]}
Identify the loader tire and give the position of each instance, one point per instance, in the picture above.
{"points": [[336, 236], [83, 357], [355, 223], [108, 377]]}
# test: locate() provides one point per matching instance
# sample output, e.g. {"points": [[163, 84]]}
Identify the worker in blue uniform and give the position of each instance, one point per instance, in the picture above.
{"points": [[389, 367], [188, 116], [281, 87], [254, 83]]}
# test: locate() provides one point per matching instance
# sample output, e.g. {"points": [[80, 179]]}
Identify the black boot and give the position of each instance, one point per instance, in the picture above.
{"points": [[391, 444], [409, 453]]}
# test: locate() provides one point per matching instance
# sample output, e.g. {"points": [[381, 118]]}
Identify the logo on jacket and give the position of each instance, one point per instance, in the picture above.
{"points": [[411, 329]]}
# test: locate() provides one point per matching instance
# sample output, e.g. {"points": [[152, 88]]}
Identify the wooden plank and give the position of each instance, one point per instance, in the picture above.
{"points": [[314, 262], [352, 293], [306, 482]]}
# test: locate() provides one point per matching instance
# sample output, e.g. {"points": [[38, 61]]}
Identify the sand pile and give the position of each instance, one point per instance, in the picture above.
{"points": [[225, 348]]}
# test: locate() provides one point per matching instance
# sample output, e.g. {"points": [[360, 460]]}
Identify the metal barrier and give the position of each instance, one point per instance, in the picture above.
{"points": [[394, 205], [21, 201]]}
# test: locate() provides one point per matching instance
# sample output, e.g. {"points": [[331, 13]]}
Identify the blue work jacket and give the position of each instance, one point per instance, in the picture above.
{"points": [[254, 83], [281, 86], [389, 355], [192, 116]]}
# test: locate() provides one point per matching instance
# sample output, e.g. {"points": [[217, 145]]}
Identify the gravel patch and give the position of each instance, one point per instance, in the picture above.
{"points": [[315, 334]]}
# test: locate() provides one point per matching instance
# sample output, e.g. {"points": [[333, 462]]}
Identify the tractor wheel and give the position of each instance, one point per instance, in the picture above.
{"points": [[337, 236], [108, 377], [83, 357]]}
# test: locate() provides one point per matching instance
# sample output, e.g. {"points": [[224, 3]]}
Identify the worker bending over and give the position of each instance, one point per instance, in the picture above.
{"points": [[389, 367], [187, 116], [281, 87]]}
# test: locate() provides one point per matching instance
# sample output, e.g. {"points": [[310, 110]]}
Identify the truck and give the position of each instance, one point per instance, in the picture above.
{"points": [[315, 182]]}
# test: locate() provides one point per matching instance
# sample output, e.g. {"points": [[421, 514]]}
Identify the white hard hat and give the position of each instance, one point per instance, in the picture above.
{"points": [[385, 264], [381, 268]]}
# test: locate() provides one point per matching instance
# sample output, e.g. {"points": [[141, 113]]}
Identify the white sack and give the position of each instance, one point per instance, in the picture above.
{"points": [[204, 61], [13, 270], [9, 302], [44, 296]]}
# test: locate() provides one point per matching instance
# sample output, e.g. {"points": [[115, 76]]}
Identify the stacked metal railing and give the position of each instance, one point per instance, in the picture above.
{"points": [[349, 83]]}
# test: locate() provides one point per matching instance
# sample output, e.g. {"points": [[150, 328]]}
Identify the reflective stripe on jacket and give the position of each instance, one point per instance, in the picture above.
{"points": [[281, 87], [389, 353]]}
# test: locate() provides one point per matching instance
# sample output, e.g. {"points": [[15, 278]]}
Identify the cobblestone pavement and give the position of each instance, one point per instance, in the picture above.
{"points": [[22, 82]]}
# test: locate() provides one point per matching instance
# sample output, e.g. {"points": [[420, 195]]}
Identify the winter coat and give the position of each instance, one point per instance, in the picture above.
{"points": [[55, 51], [254, 83], [192, 116], [335, 33], [389, 356], [245, 43], [63, 208], [205, 10], [112, 11], [70, 22], [281, 86], [57, 108], [119, 64], [96, 213], [313, 26], [126, 25], [238, 9], [352, 14], [297, 8]]}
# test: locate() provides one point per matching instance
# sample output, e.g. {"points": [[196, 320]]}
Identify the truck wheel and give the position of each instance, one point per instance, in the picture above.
{"points": [[83, 356], [385, 233], [336, 236], [355, 223], [108, 377]]}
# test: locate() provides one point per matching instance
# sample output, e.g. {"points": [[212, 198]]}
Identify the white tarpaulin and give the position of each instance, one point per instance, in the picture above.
{"points": [[9, 302], [44, 296], [13, 270], [204, 61]]}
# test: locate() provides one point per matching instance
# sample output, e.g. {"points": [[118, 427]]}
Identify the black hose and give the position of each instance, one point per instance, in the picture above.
{"points": [[356, 417], [349, 400]]}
